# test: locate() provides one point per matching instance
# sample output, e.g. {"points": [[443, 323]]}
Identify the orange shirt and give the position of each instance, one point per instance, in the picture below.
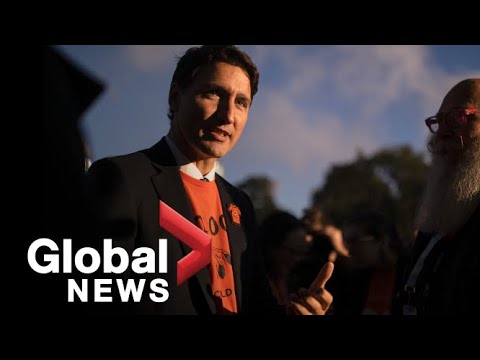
{"points": [[208, 212]]}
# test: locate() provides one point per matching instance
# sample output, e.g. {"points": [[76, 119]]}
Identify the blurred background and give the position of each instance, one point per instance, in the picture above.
{"points": [[339, 127]]}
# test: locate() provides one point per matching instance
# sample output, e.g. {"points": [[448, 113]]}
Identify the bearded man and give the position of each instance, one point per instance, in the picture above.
{"points": [[444, 274]]}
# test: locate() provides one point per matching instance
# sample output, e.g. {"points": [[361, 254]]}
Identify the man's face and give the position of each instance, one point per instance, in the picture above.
{"points": [[453, 188], [452, 140], [209, 116], [293, 249], [364, 248]]}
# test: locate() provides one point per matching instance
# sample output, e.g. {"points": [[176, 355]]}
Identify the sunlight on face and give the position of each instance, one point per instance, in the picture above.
{"points": [[210, 115], [450, 141]]}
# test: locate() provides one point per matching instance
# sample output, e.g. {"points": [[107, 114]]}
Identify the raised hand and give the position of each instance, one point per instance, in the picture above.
{"points": [[316, 300]]}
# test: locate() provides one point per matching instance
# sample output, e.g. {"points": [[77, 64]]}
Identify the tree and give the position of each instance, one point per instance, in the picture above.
{"points": [[261, 190], [390, 181]]}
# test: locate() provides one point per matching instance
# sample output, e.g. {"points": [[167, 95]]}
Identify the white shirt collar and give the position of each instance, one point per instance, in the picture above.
{"points": [[189, 167]]}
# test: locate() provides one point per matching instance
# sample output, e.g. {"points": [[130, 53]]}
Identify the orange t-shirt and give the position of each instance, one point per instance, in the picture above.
{"points": [[208, 212]]}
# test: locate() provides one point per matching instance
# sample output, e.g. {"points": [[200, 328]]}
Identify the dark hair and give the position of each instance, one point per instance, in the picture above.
{"points": [[315, 219], [377, 225], [273, 233], [209, 54], [274, 229]]}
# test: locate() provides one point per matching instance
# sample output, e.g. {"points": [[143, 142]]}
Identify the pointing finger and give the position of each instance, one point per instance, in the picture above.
{"points": [[322, 276]]}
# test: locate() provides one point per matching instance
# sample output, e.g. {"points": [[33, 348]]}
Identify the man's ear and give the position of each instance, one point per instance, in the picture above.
{"points": [[174, 98]]}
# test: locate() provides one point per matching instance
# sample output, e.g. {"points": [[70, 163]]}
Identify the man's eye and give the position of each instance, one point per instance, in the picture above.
{"points": [[242, 102], [213, 93]]}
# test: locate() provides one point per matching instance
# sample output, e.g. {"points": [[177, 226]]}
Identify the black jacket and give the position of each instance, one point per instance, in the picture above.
{"points": [[125, 193], [449, 281]]}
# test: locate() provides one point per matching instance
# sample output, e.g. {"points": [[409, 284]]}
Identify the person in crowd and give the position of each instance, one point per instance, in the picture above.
{"points": [[444, 272]]}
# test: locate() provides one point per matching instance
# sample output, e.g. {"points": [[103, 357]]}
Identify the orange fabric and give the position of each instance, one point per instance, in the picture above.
{"points": [[209, 217]]}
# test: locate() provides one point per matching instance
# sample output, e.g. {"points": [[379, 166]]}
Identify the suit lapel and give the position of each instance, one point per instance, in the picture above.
{"points": [[236, 239], [169, 188]]}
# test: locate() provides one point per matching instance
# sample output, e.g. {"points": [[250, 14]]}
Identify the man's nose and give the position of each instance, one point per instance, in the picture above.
{"points": [[226, 111]]}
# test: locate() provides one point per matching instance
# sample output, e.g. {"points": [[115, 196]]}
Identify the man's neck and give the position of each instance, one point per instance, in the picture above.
{"points": [[203, 165]]}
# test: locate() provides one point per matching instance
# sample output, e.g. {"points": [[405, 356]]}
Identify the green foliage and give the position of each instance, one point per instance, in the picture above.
{"points": [[390, 181]]}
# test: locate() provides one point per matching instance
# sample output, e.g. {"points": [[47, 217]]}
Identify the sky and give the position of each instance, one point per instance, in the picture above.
{"points": [[317, 105]]}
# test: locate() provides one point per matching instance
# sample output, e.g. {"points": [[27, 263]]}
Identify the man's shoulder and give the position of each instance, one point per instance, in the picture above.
{"points": [[232, 189], [128, 166], [123, 160], [158, 154], [225, 182]]}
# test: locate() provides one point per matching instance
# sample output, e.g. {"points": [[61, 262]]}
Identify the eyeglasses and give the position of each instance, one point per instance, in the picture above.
{"points": [[452, 119]]}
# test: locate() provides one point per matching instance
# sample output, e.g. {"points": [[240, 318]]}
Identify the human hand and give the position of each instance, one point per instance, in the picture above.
{"points": [[336, 238], [316, 300]]}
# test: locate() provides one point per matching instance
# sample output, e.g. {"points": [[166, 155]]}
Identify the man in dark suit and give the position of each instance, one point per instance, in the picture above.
{"points": [[210, 96], [444, 274]]}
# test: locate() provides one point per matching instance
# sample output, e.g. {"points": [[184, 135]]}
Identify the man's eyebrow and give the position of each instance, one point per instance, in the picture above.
{"points": [[242, 96], [213, 86]]}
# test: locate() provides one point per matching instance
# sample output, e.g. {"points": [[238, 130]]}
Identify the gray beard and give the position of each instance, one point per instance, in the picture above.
{"points": [[452, 192]]}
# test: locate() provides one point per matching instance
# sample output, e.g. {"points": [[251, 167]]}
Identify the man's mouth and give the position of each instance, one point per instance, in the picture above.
{"points": [[217, 134], [221, 132], [448, 144]]}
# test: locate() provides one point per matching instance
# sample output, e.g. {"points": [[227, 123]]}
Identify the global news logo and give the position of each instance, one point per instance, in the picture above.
{"points": [[142, 261]]}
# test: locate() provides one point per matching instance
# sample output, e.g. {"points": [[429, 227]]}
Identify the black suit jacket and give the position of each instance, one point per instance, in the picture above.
{"points": [[124, 194], [449, 281]]}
